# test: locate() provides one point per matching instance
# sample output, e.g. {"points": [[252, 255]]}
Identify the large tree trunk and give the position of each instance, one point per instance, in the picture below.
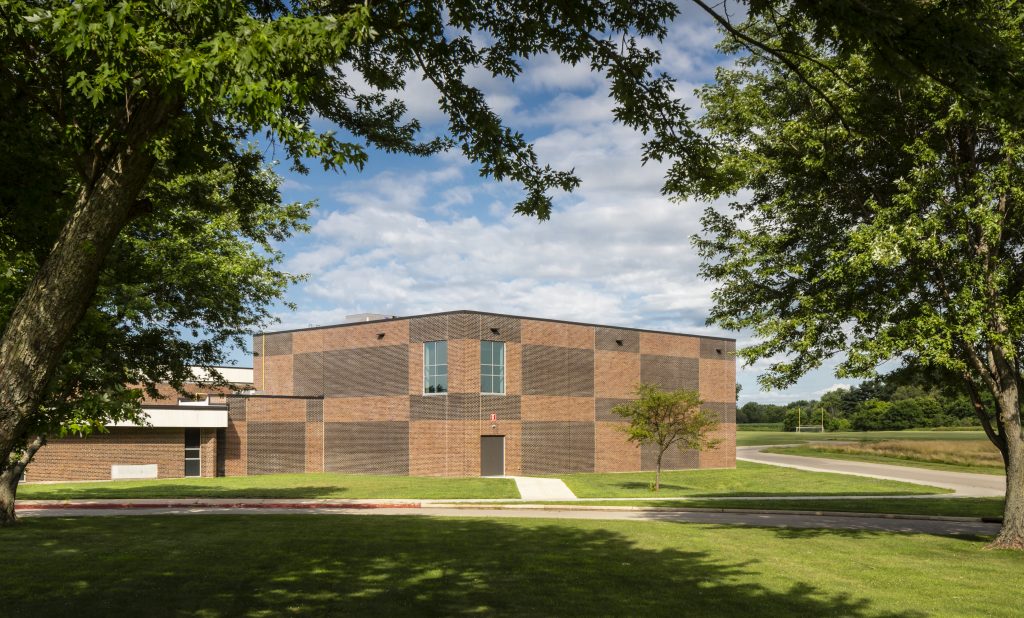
{"points": [[51, 307], [10, 478], [1011, 535]]}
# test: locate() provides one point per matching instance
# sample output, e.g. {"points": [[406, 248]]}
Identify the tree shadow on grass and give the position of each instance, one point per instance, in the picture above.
{"points": [[688, 491], [270, 565]]}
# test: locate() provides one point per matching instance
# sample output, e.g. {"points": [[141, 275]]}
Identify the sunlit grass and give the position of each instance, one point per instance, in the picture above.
{"points": [[977, 456]]}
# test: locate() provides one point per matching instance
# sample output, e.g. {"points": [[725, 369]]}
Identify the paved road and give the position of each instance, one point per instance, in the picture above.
{"points": [[867, 524], [964, 484]]}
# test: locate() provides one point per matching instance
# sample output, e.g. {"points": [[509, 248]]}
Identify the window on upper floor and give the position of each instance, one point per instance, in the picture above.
{"points": [[492, 367], [435, 367]]}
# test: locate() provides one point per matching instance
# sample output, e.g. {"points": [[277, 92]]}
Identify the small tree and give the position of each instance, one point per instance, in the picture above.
{"points": [[665, 419]]}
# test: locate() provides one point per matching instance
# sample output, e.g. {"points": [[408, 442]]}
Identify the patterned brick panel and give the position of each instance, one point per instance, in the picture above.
{"points": [[544, 370], [549, 408], [275, 375], [505, 407], [670, 372], [308, 374], [315, 447], [725, 412], [363, 372], [674, 458], [428, 407], [604, 410], [272, 344], [207, 451], [86, 459], [353, 409], [508, 328], [314, 410], [718, 380], [275, 410], [236, 409], [581, 447], [617, 374], [614, 453], [396, 332], [430, 328], [580, 370], [367, 447], [717, 349], [549, 370], [552, 447], [463, 326], [464, 365], [724, 455], [275, 448], [538, 332], [235, 437], [415, 368], [661, 344], [609, 339]]}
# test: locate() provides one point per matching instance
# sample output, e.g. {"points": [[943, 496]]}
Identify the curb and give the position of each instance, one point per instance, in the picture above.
{"points": [[220, 505], [649, 509]]}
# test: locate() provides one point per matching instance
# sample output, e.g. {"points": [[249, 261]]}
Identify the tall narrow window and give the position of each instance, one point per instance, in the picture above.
{"points": [[192, 461], [492, 367], [435, 367]]}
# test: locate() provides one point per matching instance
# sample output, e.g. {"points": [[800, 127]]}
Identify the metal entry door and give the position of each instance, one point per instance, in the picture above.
{"points": [[492, 455]]}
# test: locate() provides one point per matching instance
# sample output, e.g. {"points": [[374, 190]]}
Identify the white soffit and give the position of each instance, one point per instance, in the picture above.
{"points": [[180, 417]]}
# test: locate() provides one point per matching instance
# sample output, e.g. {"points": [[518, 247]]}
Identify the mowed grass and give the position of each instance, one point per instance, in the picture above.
{"points": [[306, 564], [310, 486], [948, 507], [756, 438], [976, 456], [747, 479]]}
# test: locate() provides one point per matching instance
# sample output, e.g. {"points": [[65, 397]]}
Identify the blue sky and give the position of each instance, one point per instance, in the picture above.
{"points": [[409, 235]]}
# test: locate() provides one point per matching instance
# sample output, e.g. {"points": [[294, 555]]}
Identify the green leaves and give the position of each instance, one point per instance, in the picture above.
{"points": [[667, 418], [883, 225]]}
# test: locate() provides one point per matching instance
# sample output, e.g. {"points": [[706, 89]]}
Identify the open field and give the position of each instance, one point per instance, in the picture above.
{"points": [[227, 565], [949, 507], [979, 457], [759, 427], [756, 438], [313, 485], [748, 479]]}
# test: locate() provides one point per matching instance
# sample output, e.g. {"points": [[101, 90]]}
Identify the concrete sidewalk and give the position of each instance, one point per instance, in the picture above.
{"points": [[535, 488], [962, 483]]}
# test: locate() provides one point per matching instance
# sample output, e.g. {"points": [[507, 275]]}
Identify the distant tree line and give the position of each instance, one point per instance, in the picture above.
{"points": [[904, 399]]}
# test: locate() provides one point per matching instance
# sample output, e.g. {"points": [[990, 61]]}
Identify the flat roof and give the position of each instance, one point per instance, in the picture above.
{"points": [[500, 315]]}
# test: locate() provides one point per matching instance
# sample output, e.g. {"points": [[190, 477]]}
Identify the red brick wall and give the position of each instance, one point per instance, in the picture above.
{"points": [[83, 459]]}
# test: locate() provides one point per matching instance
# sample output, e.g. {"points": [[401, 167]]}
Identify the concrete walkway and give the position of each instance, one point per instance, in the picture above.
{"points": [[962, 483], [534, 488], [771, 520]]}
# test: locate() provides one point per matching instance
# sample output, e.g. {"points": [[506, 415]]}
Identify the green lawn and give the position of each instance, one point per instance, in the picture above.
{"points": [[896, 461], [950, 507], [755, 438], [325, 485], [306, 564], [748, 479]]}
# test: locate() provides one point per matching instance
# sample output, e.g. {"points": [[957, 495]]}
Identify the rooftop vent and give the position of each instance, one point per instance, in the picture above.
{"points": [[367, 317]]}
